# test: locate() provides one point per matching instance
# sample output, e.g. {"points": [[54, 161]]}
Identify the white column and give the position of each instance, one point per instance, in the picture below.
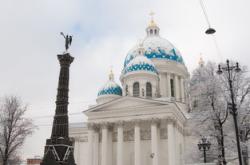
{"points": [[171, 144], [137, 144], [96, 148], [104, 156], [176, 87], [90, 143], [182, 90], [168, 86], [119, 144], [154, 142]]}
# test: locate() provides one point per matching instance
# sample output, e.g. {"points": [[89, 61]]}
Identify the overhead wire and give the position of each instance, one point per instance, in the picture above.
{"points": [[205, 12], [218, 51]]}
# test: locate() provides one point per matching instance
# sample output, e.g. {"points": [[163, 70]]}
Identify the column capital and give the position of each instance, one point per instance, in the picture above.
{"points": [[137, 121], [170, 120], [107, 125], [155, 121], [119, 123], [91, 125]]}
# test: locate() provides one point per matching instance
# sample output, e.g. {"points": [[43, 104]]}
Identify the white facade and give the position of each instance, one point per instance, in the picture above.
{"points": [[142, 122]]}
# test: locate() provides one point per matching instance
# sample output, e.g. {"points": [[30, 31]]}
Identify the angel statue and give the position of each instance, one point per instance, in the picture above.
{"points": [[68, 40]]}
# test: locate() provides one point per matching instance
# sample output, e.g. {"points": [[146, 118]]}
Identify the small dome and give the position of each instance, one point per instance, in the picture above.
{"points": [[140, 63], [110, 88]]}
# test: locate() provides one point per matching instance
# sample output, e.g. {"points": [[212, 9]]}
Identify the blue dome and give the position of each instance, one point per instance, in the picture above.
{"points": [[110, 88], [140, 63], [156, 48]]}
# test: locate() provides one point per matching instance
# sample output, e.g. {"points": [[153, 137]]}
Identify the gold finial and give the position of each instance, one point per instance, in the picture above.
{"points": [[152, 22], [111, 74], [201, 62]]}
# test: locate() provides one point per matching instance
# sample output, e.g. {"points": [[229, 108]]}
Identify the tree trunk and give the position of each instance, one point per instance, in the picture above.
{"points": [[5, 162], [220, 140], [222, 145], [245, 155]]}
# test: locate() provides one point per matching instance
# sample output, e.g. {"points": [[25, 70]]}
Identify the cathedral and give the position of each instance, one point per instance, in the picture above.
{"points": [[142, 121]]}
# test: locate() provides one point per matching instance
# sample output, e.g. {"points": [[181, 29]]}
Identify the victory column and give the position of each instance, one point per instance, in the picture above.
{"points": [[59, 149]]}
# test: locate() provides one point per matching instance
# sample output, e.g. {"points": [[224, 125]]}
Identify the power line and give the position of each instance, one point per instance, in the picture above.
{"points": [[205, 12], [82, 112]]}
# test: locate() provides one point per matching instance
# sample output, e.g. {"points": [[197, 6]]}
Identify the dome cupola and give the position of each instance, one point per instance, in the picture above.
{"points": [[109, 91], [152, 29]]}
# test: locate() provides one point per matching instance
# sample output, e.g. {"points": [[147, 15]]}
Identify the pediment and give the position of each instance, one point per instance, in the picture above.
{"points": [[126, 103]]}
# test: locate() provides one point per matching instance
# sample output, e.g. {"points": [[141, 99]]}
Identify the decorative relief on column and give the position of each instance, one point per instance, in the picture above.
{"points": [[155, 121], [146, 134], [93, 126], [128, 135], [102, 125], [171, 120], [163, 133], [90, 125], [114, 136]]}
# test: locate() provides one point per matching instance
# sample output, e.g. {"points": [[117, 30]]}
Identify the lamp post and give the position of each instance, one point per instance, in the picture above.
{"points": [[232, 106], [204, 145]]}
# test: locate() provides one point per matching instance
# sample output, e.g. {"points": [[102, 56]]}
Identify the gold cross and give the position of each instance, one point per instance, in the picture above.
{"points": [[152, 15]]}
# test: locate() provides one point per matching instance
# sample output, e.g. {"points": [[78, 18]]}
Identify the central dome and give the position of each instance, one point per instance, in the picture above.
{"points": [[155, 47]]}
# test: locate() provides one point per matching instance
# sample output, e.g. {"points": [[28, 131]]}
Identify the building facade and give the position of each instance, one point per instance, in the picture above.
{"points": [[142, 121]]}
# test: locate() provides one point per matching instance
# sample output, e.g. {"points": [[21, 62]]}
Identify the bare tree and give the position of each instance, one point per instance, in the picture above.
{"points": [[14, 128], [208, 107], [209, 99]]}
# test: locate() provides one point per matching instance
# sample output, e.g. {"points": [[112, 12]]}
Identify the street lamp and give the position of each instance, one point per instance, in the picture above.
{"points": [[204, 145], [232, 106], [210, 30]]}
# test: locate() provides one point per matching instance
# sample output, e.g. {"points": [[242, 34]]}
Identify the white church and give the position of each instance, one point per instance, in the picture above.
{"points": [[142, 122]]}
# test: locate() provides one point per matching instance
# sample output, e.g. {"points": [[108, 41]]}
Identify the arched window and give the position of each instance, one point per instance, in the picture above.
{"points": [[155, 31], [151, 31], [148, 89], [136, 89]]}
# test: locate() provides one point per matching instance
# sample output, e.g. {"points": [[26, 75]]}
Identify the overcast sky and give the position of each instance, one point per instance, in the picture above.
{"points": [[103, 32]]}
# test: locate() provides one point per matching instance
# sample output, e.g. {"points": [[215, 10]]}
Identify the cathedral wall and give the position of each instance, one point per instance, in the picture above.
{"points": [[81, 153]]}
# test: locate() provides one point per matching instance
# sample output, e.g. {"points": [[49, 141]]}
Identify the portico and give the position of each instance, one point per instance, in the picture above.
{"points": [[122, 141]]}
